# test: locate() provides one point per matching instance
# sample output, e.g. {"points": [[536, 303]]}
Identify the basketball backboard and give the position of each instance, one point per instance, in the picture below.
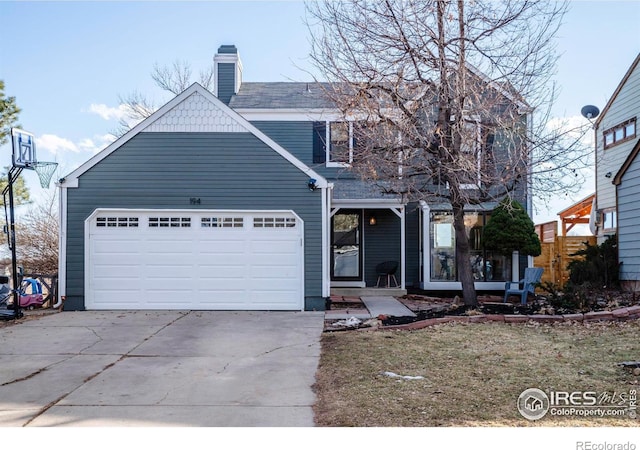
{"points": [[24, 148]]}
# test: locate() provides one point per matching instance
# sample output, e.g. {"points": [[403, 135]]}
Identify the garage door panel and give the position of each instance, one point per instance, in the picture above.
{"points": [[224, 264], [171, 246], [269, 300], [116, 284], [116, 270], [116, 299], [279, 245], [218, 274], [275, 272], [115, 246], [168, 271]]}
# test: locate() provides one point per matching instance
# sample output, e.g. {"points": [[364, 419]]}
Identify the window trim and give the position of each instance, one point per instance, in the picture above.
{"points": [[614, 219], [621, 127], [328, 161]]}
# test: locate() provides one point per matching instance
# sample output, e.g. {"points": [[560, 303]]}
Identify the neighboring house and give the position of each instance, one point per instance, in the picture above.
{"points": [[618, 173], [235, 200]]}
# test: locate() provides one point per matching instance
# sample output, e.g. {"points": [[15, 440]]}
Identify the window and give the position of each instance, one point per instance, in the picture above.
{"points": [[609, 219], [620, 133], [339, 135], [221, 222], [486, 265], [340, 150], [169, 222], [274, 222], [120, 222]]}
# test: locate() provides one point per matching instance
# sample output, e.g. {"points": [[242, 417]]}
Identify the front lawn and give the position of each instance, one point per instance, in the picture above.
{"points": [[473, 373]]}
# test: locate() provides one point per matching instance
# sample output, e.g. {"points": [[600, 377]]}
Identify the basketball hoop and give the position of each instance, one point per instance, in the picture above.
{"points": [[44, 170]]}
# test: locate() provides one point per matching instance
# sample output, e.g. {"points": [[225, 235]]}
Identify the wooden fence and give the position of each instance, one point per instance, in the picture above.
{"points": [[557, 251]]}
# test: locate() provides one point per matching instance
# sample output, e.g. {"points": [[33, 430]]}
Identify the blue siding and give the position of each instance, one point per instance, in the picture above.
{"points": [[165, 170], [628, 220], [297, 138]]}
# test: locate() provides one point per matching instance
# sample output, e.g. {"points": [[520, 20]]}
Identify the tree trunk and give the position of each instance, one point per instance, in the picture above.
{"points": [[463, 257]]}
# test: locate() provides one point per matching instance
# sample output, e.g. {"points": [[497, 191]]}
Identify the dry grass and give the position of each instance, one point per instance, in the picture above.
{"points": [[473, 373]]}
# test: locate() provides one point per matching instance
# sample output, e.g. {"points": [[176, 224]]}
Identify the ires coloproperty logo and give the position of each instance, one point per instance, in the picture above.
{"points": [[534, 404]]}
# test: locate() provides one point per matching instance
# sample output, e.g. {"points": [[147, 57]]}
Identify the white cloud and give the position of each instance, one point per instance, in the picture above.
{"points": [[108, 112], [576, 128], [95, 144], [55, 144]]}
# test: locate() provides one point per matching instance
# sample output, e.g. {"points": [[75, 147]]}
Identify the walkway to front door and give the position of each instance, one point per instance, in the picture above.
{"points": [[374, 307]]}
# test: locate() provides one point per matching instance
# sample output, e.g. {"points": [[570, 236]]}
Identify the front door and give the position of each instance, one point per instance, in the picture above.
{"points": [[346, 246]]}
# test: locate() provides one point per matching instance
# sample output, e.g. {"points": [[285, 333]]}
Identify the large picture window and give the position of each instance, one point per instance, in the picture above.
{"points": [[486, 265]]}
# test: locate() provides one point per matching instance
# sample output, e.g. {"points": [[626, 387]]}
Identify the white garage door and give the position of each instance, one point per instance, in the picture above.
{"points": [[233, 260]]}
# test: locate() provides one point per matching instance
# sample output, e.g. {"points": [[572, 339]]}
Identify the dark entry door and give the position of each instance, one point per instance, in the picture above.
{"points": [[346, 246]]}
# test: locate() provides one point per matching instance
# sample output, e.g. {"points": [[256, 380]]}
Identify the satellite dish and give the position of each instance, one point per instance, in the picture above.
{"points": [[590, 111]]}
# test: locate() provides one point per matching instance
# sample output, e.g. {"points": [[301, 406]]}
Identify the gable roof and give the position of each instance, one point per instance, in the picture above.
{"points": [[313, 95], [606, 108], [617, 180], [226, 120]]}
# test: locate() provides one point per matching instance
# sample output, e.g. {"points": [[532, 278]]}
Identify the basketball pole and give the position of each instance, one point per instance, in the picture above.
{"points": [[13, 175]]}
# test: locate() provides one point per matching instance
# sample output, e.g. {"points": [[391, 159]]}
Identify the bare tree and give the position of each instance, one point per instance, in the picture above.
{"points": [[37, 238], [443, 95], [173, 78]]}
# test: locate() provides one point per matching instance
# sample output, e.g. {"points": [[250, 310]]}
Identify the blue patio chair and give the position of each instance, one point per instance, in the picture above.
{"points": [[532, 276]]}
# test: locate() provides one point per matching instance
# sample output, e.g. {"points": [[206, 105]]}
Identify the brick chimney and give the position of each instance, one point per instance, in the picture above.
{"points": [[227, 72]]}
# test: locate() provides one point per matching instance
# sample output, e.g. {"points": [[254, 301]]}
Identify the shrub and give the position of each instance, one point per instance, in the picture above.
{"points": [[599, 266], [510, 229]]}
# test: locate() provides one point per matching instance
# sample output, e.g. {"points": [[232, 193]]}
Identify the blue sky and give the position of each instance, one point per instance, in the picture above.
{"points": [[68, 63]]}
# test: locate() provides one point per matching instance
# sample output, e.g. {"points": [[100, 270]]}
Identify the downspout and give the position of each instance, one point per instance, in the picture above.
{"points": [[62, 250]]}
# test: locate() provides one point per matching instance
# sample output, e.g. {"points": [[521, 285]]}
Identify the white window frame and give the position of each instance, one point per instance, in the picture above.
{"points": [[329, 162], [609, 217]]}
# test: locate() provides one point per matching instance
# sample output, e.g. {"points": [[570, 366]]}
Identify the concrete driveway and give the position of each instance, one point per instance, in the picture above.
{"points": [[160, 368]]}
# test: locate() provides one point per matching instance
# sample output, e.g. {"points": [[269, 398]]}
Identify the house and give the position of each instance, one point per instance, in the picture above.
{"points": [[235, 200], [617, 172]]}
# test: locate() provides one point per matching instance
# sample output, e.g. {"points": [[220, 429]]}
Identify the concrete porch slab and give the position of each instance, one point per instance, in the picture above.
{"points": [[387, 306]]}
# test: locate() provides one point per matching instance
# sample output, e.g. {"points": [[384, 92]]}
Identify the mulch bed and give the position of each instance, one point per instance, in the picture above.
{"points": [[432, 310]]}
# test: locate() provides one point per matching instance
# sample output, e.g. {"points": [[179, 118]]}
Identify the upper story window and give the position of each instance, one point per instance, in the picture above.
{"points": [[620, 133], [340, 150], [339, 135], [609, 219]]}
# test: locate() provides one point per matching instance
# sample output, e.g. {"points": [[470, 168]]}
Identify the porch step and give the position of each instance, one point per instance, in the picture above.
{"points": [[370, 292], [387, 306]]}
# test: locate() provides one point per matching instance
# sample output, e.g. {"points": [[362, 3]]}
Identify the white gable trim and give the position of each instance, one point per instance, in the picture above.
{"points": [[154, 122]]}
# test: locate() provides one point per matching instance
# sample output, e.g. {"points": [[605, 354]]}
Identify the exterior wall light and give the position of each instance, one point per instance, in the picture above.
{"points": [[372, 220]]}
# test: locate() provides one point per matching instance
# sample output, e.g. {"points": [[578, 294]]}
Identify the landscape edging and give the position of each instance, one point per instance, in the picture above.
{"points": [[616, 315]]}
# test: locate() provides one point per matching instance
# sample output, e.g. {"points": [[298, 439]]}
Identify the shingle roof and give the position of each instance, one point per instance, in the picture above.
{"points": [[359, 190], [282, 95]]}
